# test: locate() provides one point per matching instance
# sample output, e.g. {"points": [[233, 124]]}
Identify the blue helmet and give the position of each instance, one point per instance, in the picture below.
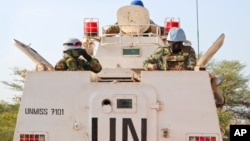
{"points": [[176, 34], [137, 2], [72, 43]]}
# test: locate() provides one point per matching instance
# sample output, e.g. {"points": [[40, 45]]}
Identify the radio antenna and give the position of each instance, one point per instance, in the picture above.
{"points": [[197, 23]]}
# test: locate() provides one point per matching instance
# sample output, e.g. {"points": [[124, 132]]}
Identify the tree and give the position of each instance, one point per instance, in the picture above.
{"points": [[18, 82], [236, 92], [8, 116], [234, 87], [8, 112]]}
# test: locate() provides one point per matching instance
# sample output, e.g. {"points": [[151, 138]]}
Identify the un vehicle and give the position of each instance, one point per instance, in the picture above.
{"points": [[122, 102]]}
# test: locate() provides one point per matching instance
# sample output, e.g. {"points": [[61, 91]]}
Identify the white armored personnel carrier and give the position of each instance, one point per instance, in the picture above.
{"points": [[122, 102]]}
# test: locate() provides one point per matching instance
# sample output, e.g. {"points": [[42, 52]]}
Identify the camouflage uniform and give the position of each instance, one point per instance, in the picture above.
{"points": [[165, 59], [72, 62]]}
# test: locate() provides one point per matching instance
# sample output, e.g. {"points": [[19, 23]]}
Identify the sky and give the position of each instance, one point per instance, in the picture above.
{"points": [[45, 24]]}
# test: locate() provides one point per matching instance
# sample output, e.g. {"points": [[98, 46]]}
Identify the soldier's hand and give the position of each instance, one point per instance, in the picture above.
{"points": [[180, 68], [152, 67], [84, 53]]}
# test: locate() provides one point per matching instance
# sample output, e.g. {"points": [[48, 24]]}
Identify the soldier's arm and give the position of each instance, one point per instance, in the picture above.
{"points": [[72, 64], [92, 64], [95, 65], [61, 65], [192, 59], [151, 63]]}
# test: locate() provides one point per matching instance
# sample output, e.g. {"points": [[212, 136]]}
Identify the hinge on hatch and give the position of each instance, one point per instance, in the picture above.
{"points": [[158, 106]]}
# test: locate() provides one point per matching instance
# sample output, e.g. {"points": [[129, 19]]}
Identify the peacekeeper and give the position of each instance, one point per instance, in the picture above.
{"points": [[175, 56], [76, 58]]}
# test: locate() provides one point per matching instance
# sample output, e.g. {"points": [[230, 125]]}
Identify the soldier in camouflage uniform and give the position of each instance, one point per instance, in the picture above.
{"points": [[76, 58], [176, 56]]}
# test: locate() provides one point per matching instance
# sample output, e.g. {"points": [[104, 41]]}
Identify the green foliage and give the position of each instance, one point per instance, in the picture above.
{"points": [[8, 112], [8, 116], [224, 119], [18, 82], [235, 90], [234, 86]]}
